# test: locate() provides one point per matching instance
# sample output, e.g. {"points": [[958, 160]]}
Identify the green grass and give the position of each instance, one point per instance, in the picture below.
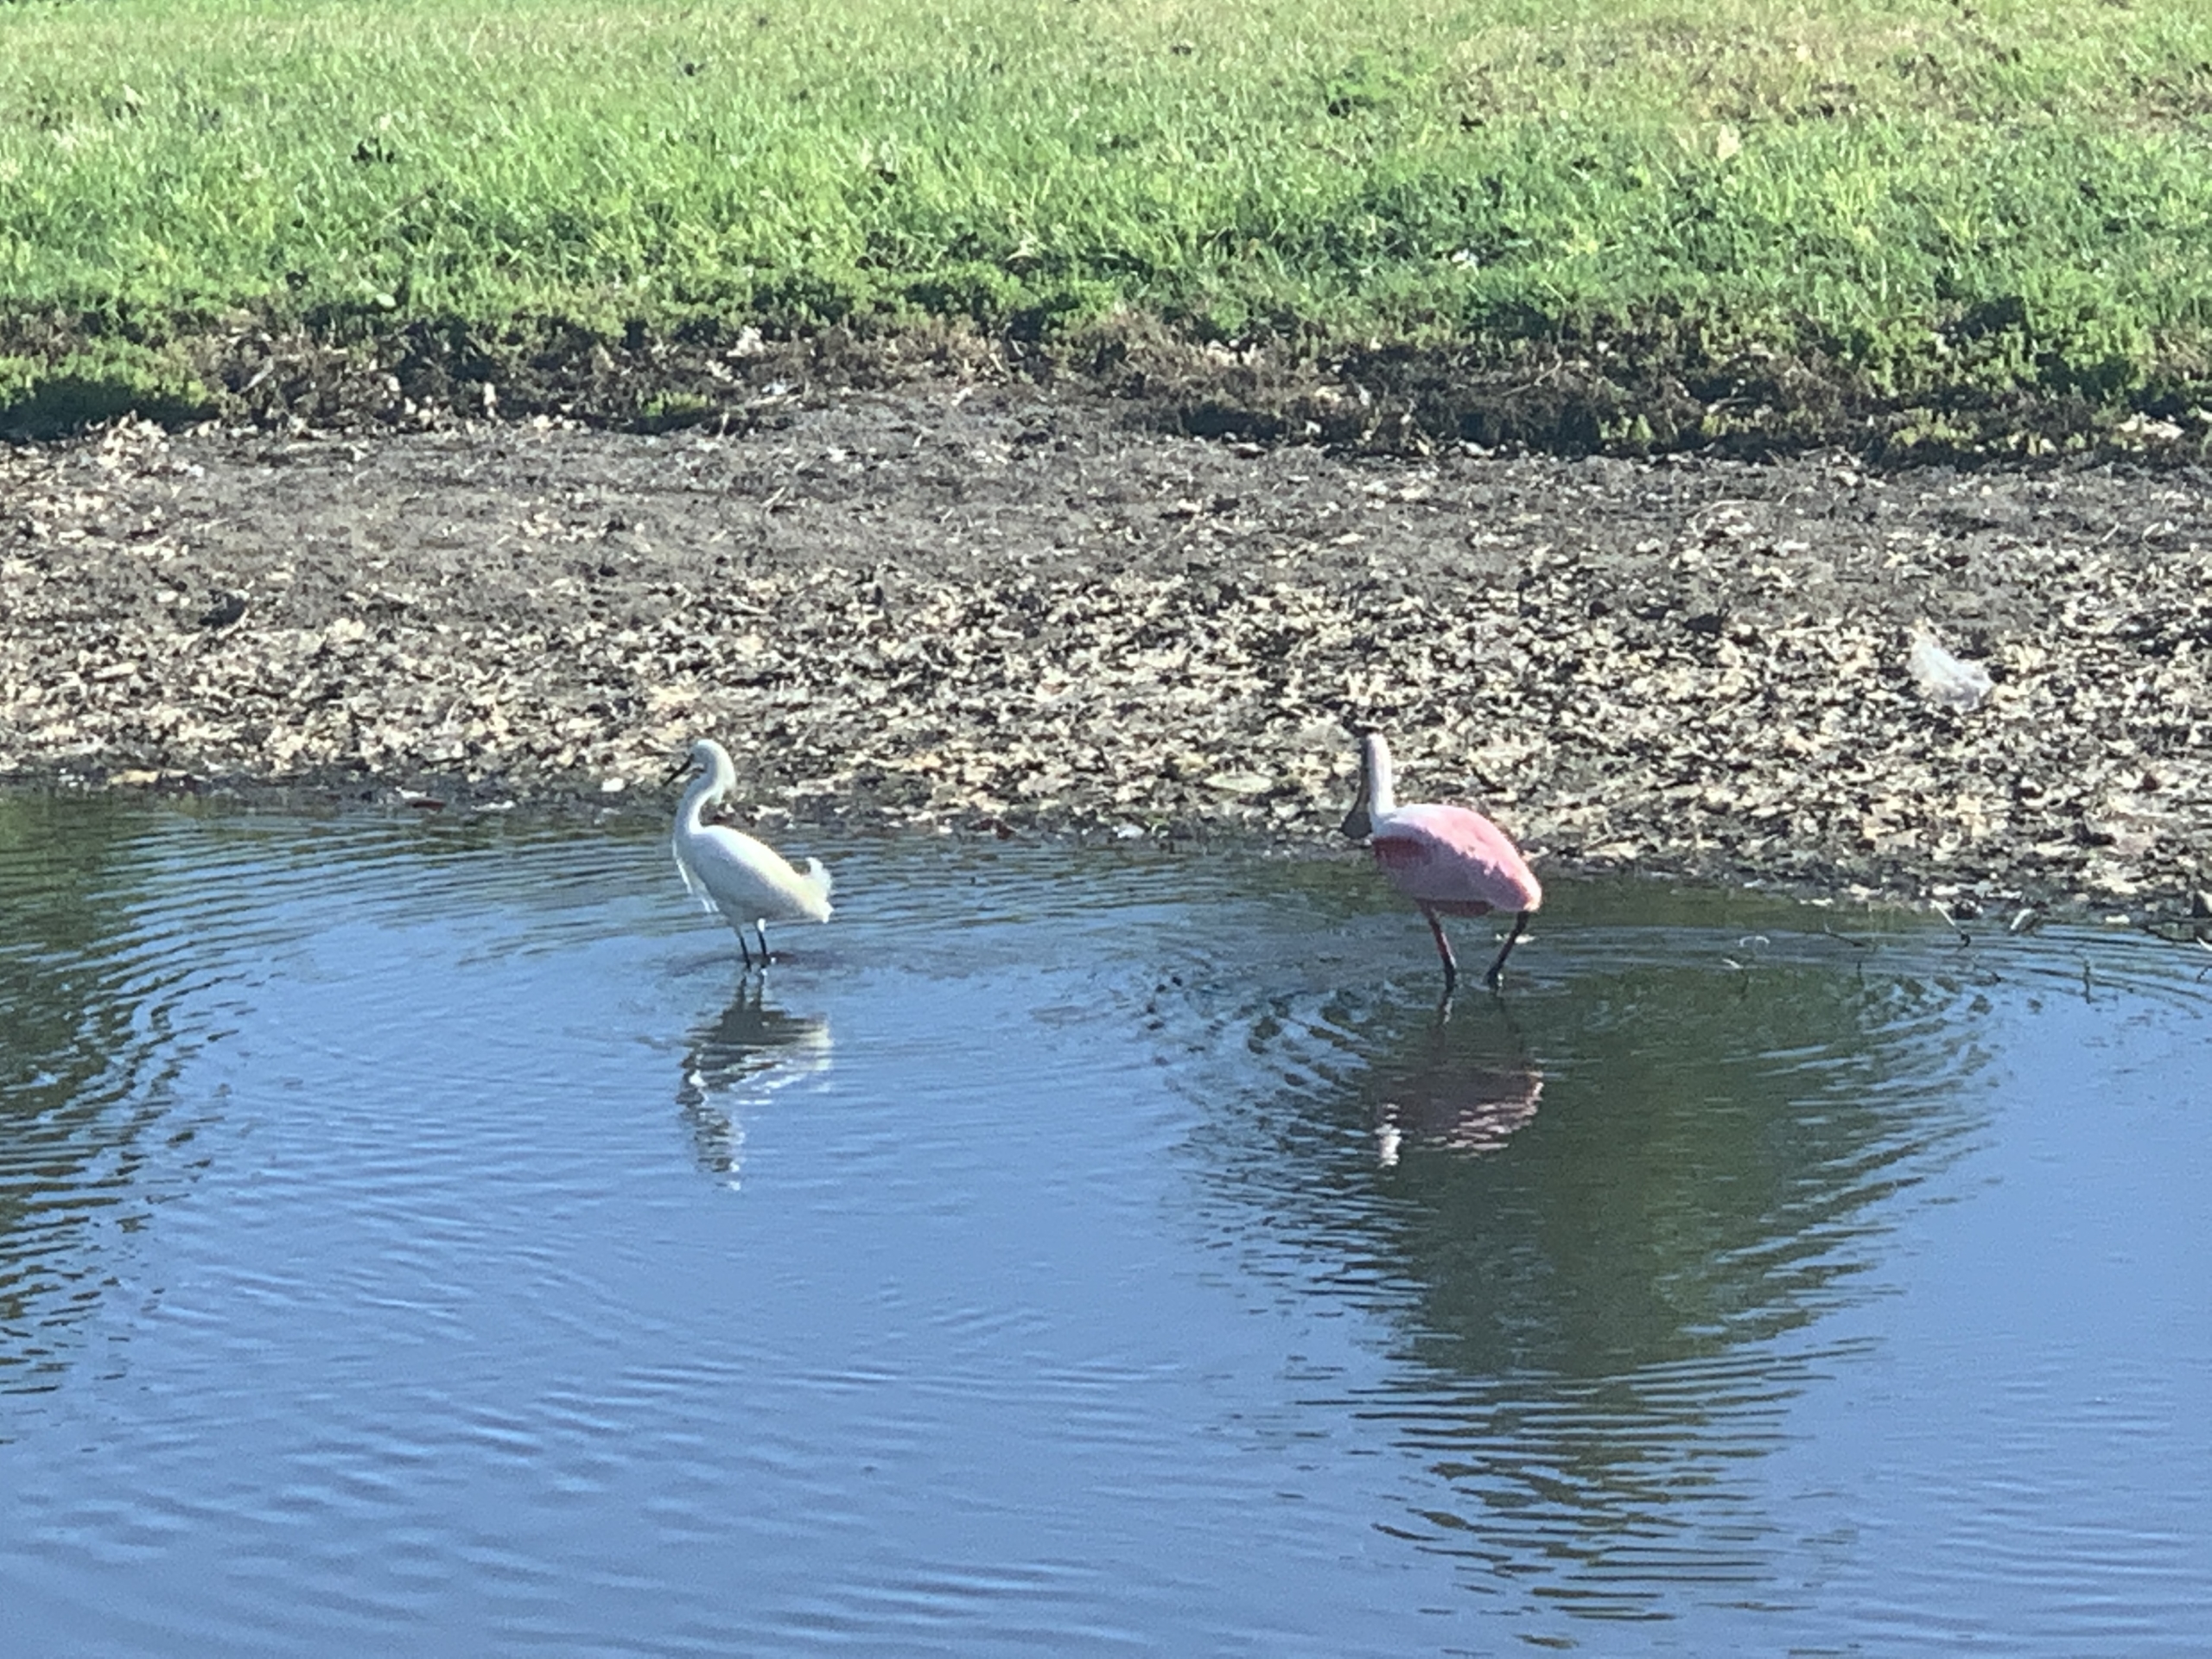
{"points": [[1919, 201]]}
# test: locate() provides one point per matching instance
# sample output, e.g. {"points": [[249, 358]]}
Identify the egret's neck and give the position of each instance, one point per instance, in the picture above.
{"points": [[695, 801], [717, 778], [1374, 765]]}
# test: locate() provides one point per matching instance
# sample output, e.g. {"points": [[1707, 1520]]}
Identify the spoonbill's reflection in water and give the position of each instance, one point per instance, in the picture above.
{"points": [[1476, 1111], [736, 1062], [1463, 1102]]}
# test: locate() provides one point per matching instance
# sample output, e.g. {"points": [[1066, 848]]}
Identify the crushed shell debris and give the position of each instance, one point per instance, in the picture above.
{"points": [[1704, 669]]}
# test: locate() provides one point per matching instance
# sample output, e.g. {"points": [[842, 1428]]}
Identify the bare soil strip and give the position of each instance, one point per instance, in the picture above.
{"points": [[999, 610]]}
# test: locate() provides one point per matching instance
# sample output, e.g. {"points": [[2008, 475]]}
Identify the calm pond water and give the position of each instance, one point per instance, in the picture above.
{"points": [[417, 1237]]}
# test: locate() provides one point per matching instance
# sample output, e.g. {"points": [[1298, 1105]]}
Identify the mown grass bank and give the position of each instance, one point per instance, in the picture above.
{"points": [[1630, 223]]}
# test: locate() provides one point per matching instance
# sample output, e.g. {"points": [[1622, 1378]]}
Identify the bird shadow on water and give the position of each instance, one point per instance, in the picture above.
{"points": [[735, 1062]]}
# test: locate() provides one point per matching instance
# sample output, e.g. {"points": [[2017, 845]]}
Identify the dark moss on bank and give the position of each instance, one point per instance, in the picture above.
{"points": [[1989, 390]]}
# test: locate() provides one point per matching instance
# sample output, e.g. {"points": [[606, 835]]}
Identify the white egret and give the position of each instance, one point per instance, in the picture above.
{"points": [[745, 879]]}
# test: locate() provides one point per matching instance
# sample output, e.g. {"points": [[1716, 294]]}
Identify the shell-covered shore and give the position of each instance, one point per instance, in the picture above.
{"points": [[1002, 613]]}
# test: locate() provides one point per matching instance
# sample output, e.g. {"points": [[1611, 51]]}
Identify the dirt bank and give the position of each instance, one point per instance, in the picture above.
{"points": [[985, 609]]}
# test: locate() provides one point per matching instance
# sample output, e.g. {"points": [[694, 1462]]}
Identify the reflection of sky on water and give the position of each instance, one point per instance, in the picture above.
{"points": [[139, 945], [1150, 1218], [736, 1063], [93, 981]]}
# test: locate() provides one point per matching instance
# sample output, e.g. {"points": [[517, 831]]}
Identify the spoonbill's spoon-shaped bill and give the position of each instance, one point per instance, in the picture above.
{"points": [[1450, 860], [746, 881]]}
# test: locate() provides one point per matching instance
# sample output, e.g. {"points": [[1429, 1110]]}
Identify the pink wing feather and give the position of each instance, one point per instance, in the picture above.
{"points": [[1453, 860]]}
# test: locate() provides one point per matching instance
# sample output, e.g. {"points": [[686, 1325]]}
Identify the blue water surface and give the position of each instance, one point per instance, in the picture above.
{"points": [[419, 1236]]}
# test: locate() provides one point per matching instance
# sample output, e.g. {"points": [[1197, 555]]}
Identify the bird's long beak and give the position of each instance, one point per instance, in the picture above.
{"points": [[1357, 824], [679, 770]]}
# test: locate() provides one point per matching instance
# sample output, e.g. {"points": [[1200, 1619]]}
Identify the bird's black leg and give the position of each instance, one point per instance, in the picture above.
{"points": [[1444, 950], [743, 949], [1506, 950], [762, 929]]}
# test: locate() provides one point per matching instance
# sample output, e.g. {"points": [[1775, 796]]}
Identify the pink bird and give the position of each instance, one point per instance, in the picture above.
{"points": [[1448, 859]]}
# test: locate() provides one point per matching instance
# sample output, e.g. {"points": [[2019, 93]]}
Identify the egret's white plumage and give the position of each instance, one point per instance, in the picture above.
{"points": [[747, 881]]}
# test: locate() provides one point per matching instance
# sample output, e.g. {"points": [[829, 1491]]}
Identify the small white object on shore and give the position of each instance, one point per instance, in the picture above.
{"points": [[1943, 678]]}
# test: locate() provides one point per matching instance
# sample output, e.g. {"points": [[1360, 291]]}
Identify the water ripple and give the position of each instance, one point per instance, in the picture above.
{"points": [[1604, 1211], [1102, 1218]]}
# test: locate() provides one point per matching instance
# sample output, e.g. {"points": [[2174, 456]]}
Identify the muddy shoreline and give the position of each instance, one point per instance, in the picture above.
{"points": [[1003, 611]]}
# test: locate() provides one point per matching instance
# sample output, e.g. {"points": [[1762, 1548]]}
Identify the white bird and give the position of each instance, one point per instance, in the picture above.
{"points": [[746, 881]]}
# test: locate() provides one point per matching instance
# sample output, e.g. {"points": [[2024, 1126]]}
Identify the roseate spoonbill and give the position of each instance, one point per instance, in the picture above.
{"points": [[725, 871], [1448, 859]]}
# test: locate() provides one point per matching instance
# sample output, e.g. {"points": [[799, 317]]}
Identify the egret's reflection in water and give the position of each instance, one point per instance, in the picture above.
{"points": [[735, 1062]]}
